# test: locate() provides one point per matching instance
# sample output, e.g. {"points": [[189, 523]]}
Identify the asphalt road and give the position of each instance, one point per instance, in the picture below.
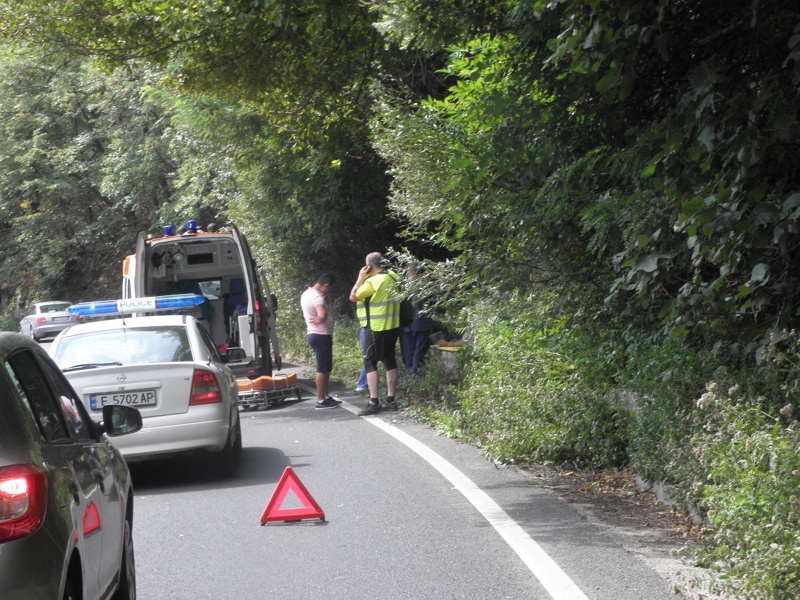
{"points": [[408, 514]]}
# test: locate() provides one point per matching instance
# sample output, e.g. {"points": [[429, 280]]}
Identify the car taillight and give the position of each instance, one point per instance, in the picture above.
{"points": [[23, 501], [41, 320], [205, 388]]}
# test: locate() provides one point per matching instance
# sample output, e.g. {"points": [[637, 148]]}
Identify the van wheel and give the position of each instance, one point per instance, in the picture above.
{"points": [[264, 359], [127, 572]]}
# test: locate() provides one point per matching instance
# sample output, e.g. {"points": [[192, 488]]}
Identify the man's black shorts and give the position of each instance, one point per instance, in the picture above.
{"points": [[322, 345], [379, 346]]}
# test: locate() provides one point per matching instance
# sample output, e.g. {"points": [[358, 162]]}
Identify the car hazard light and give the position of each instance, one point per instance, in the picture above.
{"points": [[106, 308], [23, 501]]}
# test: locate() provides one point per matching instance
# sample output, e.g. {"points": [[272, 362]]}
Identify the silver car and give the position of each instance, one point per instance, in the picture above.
{"points": [[66, 502], [169, 368], [47, 319]]}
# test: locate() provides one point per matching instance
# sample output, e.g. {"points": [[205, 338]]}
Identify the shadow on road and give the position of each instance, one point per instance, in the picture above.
{"points": [[255, 466]]}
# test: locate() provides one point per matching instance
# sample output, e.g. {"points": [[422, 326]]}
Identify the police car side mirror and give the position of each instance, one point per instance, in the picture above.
{"points": [[121, 420]]}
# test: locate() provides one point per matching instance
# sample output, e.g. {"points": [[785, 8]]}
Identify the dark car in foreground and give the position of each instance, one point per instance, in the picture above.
{"points": [[66, 500]]}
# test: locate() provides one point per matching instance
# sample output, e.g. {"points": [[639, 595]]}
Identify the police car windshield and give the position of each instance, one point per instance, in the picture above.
{"points": [[122, 347]]}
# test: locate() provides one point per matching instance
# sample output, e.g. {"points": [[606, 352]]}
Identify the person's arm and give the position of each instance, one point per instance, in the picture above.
{"points": [[322, 312], [362, 275]]}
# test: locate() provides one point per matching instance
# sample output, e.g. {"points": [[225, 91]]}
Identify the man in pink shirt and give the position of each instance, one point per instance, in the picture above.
{"points": [[319, 325]]}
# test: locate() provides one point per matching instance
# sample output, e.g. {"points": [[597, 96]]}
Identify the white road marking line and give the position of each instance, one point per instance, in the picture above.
{"points": [[545, 569]]}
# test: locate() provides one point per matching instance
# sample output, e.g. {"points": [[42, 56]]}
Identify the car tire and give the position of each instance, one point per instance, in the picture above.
{"points": [[69, 591], [237, 445], [127, 572], [222, 464], [32, 336]]}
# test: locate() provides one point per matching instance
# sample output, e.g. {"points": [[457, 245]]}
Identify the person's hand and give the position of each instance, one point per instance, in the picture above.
{"points": [[313, 320], [362, 274]]}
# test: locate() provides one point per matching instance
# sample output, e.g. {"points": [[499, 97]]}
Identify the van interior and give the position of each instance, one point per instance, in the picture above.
{"points": [[209, 267]]}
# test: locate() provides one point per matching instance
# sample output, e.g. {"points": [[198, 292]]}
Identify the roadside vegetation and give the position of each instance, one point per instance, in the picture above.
{"points": [[605, 195]]}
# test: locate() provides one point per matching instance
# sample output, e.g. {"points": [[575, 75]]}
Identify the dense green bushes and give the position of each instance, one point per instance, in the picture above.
{"points": [[746, 481], [523, 399]]}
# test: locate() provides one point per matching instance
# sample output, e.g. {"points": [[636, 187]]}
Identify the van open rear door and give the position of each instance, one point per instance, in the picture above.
{"points": [[262, 331], [139, 265], [269, 324], [133, 270]]}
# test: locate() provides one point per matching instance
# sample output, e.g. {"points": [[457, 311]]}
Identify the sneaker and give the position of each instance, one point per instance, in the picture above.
{"points": [[361, 389], [327, 403], [387, 405], [372, 409], [332, 399]]}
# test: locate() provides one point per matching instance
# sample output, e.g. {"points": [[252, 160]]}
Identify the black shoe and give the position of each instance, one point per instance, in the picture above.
{"points": [[389, 405], [326, 403], [372, 409], [332, 399]]}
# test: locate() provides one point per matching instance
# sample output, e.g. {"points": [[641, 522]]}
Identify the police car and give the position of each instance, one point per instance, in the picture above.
{"points": [[166, 365]]}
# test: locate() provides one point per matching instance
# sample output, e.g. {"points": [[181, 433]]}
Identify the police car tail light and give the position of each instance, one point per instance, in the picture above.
{"points": [[41, 320], [205, 388], [23, 501]]}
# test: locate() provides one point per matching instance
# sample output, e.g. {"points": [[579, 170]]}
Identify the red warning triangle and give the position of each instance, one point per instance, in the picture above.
{"points": [[290, 481]]}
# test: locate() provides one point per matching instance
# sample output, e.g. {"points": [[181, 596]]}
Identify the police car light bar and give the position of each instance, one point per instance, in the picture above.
{"points": [[105, 308]]}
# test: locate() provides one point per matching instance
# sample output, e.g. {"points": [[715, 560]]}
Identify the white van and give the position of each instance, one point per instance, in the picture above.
{"points": [[239, 311]]}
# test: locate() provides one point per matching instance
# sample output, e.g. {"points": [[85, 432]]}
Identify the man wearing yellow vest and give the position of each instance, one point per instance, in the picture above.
{"points": [[378, 309]]}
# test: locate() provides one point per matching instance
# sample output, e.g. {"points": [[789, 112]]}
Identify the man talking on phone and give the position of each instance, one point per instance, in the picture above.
{"points": [[378, 309]]}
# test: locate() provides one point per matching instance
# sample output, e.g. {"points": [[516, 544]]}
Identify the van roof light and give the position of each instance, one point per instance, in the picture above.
{"points": [[191, 226], [106, 308], [169, 230]]}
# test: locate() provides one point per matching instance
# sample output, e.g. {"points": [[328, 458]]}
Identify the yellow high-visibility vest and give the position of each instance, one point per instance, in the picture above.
{"points": [[378, 295]]}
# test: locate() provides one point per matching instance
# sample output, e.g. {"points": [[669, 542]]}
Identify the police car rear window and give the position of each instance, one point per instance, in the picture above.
{"points": [[122, 347]]}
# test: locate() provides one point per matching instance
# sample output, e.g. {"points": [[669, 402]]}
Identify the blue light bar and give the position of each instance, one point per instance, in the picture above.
{"points": [[169, 230], [191, 226], [105, 308]]}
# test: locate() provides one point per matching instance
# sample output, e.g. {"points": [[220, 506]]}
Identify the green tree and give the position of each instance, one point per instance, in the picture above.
{"points": [[86, 168], [653, 144]]}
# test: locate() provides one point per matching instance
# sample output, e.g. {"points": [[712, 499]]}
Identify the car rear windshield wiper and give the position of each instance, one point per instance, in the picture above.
{"points": [[91, 366]]}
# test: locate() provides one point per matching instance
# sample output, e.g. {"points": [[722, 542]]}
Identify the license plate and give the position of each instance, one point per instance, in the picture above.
{"points": [[140, 398], [60, 318]]}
